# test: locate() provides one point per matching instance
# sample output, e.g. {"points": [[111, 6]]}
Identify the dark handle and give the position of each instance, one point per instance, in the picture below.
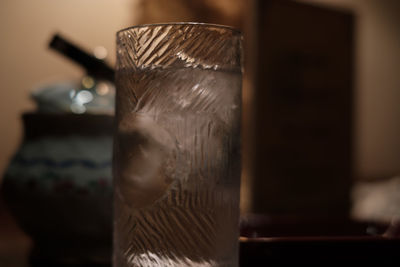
{"points": [[93, 66]]}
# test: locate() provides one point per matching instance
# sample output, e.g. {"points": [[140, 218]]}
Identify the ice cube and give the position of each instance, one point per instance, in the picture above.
{"points": [[145, 155]]}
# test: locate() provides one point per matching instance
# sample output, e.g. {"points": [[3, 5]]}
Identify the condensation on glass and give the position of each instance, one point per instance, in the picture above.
{"points": [[177, 145]]}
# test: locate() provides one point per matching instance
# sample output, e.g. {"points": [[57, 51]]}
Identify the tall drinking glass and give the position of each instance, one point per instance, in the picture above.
{"points": [[177, 145]]}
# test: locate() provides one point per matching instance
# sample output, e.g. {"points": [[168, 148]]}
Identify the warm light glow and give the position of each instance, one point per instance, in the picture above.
{"points": [[102, 88], [100, 52], [88, 82]]}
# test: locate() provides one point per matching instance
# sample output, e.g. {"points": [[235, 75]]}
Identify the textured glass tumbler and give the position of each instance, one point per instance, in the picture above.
{"points": [[177, 145]]}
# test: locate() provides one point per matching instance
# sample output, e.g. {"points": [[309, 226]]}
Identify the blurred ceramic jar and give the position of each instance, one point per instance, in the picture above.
{"points": [[58, 186]]}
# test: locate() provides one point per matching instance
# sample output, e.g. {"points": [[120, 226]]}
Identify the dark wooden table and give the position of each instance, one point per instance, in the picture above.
{"points": [[266, 242], [317, 241]]}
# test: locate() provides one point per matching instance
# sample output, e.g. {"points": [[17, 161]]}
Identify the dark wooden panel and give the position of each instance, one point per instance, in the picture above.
{"points": [[303, 104]]}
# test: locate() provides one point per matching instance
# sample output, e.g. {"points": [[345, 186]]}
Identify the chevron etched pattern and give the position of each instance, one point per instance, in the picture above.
{"points": [[179, 45], [177, 146]]}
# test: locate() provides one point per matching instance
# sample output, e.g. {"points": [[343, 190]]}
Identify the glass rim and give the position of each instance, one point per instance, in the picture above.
{"points": [[207, 25]]}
